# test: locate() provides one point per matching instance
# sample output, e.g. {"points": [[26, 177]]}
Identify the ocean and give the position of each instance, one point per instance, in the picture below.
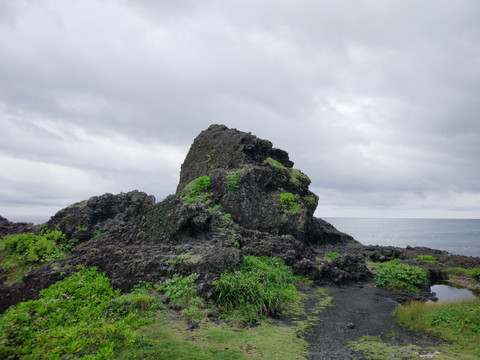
{"points": [[457, 236]]}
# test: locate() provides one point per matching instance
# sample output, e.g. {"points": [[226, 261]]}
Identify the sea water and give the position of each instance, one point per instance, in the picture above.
{"points": [[457, 236]]}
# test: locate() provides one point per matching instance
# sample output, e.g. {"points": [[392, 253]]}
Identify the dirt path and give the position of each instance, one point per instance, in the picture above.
{"points": [[356, 311]]}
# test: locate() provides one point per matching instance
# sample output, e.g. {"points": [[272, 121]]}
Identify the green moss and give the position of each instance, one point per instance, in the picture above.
{"points": [[298, 178], [195, 191], [274, 163], [289, 202], [427, 258], [332, 255]]}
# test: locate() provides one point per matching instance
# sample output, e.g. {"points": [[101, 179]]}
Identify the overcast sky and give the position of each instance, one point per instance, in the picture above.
{"points": [[377, 101]]}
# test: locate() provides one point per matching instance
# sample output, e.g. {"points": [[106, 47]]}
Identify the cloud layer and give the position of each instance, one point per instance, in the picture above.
{"points": [[376, 101]]}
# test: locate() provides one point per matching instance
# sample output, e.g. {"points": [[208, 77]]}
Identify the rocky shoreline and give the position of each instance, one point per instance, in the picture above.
{"points": [[237, 196]]}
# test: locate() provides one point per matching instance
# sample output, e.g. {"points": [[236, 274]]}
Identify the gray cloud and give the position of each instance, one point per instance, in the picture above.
{"points": [[376, 101]]}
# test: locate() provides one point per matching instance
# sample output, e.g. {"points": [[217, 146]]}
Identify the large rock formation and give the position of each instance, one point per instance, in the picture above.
{"points": [[237, 195]]}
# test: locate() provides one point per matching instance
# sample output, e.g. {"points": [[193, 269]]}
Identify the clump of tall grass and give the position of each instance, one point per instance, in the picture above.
{"points": [[261, 286]]}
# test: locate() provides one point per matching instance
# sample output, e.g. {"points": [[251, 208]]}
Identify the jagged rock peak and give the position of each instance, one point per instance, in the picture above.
{"points": [[220, 147]]}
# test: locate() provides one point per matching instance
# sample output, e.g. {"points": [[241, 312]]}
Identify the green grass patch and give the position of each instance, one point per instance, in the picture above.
{"points": [[289, 202], [455, 322], [261, 286], [399, 276], [23, 252], [80, 317], [427, 258], [332, 255], [373, 348], [169, 338], [196, 190], [471, 273]]}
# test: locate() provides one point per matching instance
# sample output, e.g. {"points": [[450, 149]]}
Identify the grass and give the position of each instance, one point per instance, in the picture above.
{"points": [[398, 276], [274, 163], [373, 348], [471, 273], [261, 286], [232, 184], [456, 322]]}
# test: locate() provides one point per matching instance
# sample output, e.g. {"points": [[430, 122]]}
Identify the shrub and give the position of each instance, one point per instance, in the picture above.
{"points": [[399, 276], [80, 317], [259, 287], [288, 201], [22, 252], [332, 255]]}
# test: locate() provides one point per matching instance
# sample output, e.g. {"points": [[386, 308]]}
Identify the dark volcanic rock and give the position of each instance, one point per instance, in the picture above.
{"points": [[11, 228], [130, 237]]}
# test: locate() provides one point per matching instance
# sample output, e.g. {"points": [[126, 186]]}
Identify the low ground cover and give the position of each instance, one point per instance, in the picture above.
{"points": [[395, 275]]}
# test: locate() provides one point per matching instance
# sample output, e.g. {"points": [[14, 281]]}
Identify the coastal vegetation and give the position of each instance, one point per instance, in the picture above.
{"points": [[458, 323], [23, 252], [395, 275]]}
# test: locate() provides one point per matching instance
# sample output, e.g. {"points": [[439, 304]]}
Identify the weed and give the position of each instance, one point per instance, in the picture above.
{"points": [[399, 276]]}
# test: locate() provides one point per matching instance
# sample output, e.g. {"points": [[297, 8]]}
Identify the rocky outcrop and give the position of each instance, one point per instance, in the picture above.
{"points": [[237, 195], [11, 228]]}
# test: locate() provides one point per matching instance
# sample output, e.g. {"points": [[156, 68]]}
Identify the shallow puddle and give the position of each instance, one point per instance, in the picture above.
{"points": [[450, 293]]}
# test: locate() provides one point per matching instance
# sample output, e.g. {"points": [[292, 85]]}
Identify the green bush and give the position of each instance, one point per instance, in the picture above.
{"points": [[22, 252], [289, 202], [259, 287], [332, 255], [80, 317], [399, 276]]}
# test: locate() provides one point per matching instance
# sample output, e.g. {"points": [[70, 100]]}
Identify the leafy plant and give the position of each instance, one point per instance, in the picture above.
{"points": [[195, 191], [80, 317], [332, 255], [399, 276], [22, 252], [261, 286], [288, 201]]}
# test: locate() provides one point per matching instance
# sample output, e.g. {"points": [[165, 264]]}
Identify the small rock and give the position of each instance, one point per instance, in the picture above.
{"points": [[351, 325]]}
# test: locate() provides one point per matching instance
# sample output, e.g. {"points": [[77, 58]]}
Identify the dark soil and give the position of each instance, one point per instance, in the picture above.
{"points": [[358, 310]]}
